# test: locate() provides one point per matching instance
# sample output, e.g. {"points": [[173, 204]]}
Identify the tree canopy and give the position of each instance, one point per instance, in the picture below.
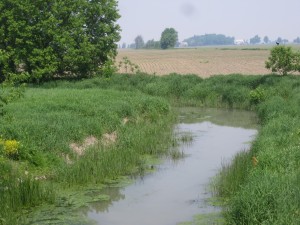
{"points": [[168, 39], [51, 38]]}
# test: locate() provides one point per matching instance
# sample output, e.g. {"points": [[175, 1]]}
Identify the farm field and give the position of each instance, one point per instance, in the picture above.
{"points": [[203, 61], [200, 61]]}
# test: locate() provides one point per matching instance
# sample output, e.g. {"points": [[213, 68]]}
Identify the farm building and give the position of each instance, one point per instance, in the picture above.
{"points": [[240, 42], [183, 44]]}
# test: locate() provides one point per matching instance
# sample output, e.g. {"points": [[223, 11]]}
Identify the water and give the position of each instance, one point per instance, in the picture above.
{"points": [[179, 189]]}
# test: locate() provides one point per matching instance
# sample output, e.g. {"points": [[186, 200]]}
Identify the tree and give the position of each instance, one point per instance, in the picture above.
{"points": [[168, 39], [152, 44], [279, 40], [52, 38], [297, 40], [266, 40], [124, 45], [255, 40], [139, 42], [132, 45], [283, 60], [285, 41]]}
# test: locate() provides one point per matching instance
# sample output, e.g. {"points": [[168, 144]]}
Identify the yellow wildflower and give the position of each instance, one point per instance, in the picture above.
{"points": [[11, 148]]}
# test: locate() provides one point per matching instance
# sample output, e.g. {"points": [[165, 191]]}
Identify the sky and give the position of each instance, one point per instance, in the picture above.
{"points": [[235, 18]]}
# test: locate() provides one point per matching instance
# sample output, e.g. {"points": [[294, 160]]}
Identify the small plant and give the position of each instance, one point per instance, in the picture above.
{"points": [[128, 66], [108, 69], [256, 96], [283, 60]]}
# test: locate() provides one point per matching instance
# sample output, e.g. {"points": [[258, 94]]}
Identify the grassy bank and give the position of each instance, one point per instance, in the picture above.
{"points": [[262, 186], [66, 137], [129, 116]]}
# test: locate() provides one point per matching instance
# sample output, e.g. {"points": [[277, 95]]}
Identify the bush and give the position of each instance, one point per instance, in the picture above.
{"points": [[283, 60], [257, 96]]}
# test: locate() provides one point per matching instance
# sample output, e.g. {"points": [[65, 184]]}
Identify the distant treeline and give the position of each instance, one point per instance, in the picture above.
{"points": [[209, 39]]}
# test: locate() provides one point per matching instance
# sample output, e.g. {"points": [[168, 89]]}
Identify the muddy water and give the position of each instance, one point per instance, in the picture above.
{"points": [[179, 189]]}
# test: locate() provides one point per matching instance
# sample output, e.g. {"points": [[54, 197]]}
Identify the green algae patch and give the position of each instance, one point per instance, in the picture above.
{"points": [[71, 206], [119, 182]]}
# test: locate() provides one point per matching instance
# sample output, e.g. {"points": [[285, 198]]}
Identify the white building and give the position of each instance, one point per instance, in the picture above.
{"points": [[183, 44], [240, 42]]}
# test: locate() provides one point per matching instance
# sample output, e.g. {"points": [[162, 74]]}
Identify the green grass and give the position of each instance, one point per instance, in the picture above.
{"points": [[47, 121], [55, 114]]}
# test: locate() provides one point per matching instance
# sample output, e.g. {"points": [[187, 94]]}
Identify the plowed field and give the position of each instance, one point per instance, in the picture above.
{"points": [[201, 61]]}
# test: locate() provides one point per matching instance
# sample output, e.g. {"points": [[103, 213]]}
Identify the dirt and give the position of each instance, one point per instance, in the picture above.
{"points": [[80, 149], [204, 62], [107, 139]]}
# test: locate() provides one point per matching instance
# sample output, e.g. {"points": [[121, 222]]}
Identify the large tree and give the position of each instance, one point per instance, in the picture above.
{"points": [[168, 39], [47, 38]]}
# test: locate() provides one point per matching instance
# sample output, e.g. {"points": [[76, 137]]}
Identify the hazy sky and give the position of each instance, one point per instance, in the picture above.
{"points": [[239, 18]]}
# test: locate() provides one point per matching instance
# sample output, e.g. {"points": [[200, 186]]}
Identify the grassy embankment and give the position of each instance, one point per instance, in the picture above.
{"points": [[56, 114], [119, 128]]}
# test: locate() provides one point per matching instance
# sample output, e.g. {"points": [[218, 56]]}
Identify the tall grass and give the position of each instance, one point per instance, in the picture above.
{"points": [[122, 158], [20, 192], [47, 121], [267, 192], [230, 91]]}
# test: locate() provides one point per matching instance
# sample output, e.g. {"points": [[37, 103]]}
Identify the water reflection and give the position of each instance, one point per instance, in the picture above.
{"points": [[223, 117], [113, 194]]}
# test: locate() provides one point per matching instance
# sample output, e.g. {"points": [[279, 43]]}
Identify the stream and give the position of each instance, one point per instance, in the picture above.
{"points": [[179, 189]]}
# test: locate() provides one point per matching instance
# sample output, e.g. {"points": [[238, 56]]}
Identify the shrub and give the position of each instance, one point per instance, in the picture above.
{"points": [[108, 69], [257, 96], [283, 60]]}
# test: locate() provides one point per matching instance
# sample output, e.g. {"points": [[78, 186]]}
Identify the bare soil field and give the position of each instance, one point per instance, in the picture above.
{"points": [[203, 61]]}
